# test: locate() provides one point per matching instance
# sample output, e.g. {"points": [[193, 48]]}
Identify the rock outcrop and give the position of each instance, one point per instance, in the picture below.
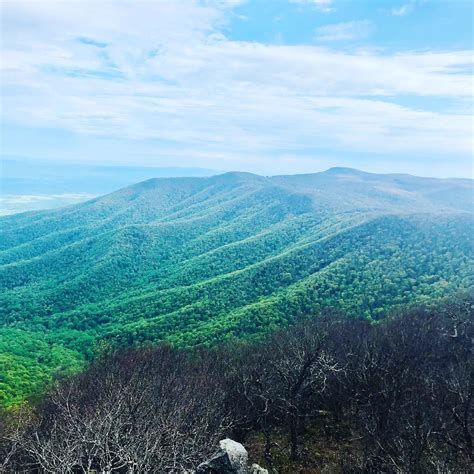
{"points": [[230, 458]]}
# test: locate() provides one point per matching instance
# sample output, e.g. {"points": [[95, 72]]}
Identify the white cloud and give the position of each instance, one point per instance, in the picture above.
{"points": [[322, 5], [351, 30], [167, 73], [402, 10]]}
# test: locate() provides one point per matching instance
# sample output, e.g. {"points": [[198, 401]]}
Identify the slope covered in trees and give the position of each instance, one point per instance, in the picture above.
{"points": [[201, 260]]}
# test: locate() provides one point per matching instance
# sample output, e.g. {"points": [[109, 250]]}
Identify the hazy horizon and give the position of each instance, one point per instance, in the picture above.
{"points": [[158, 167], [31, 185]]}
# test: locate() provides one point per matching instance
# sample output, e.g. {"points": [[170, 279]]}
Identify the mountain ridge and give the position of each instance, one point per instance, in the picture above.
{"points": [[199, 260]]}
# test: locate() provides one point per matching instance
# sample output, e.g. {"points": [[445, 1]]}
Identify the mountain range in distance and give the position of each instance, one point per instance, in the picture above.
{"points": [[200, 260]]}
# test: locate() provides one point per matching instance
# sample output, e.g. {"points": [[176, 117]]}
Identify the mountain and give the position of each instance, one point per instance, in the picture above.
{"points": [[201, 260]]}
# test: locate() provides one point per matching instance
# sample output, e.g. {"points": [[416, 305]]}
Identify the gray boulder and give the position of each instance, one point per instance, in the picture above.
{"points": [[230, 458]]}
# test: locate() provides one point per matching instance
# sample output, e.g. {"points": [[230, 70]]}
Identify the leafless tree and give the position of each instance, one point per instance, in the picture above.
{"points": [[282, 381], [151, 410]]}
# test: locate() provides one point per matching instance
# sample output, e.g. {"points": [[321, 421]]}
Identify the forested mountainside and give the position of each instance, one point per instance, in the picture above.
{"points": [[200, 260]]}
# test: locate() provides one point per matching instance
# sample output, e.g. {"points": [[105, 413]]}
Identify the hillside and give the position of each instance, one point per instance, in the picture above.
{"points": [[199, 260]]}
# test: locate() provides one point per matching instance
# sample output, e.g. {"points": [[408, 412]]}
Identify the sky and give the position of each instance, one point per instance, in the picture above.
{"points": [[272, 87]]}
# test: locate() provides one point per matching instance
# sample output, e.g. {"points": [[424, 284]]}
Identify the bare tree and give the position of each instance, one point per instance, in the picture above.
{"points": [[282, 381], [145, 410]]}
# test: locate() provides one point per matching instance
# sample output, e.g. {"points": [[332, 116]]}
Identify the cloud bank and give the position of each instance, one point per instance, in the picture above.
{"points": [[166, 72]]}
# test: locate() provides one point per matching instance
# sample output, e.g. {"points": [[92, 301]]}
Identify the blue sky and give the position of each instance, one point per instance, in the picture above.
{"points": [[264, 86]]}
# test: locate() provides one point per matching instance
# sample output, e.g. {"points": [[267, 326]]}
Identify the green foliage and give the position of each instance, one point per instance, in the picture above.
{"points": [[28, 359], [199, 261]]}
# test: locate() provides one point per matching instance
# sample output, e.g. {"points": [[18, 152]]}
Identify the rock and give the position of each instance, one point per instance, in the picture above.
{"points": [[237, 454], [256, 469], [230, 458]]}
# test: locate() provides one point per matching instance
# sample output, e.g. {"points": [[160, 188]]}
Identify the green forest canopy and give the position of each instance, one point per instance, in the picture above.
{"points": [[201, 260]]}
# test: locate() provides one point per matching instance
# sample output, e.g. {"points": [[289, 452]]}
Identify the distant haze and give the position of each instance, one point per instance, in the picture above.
{"points": [[28, 184]]}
